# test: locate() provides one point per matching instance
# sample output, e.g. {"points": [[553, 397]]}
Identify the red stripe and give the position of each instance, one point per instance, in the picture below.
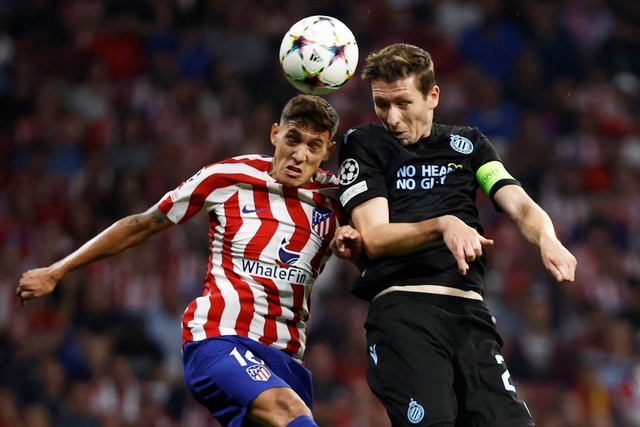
{"points": [[299, 216], [165, 205], [210, 184], [293, 346], [327, 204], [204, 189], [270, 332], [232, 210], [242, 288], [187, 336], [255, 247], [253, 250], [300, 238]]}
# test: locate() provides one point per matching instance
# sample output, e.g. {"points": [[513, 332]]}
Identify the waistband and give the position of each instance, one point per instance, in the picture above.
{"points": [[432, 289]]}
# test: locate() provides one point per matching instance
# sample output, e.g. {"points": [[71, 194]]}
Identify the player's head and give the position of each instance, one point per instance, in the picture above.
{"points": [[404, 89], [303, 139], [399, 61]]}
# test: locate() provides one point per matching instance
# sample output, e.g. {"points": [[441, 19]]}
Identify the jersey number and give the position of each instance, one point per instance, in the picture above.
{"points": [[506, 376], [247, 356]]}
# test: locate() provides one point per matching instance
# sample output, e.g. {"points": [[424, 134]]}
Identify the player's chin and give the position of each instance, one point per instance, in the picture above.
{"points": [[296, 179], [293, 182]]}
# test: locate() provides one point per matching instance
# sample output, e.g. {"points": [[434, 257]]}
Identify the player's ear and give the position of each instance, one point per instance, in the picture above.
{"points": [[330, 149], [434, 95], [274, 133]]}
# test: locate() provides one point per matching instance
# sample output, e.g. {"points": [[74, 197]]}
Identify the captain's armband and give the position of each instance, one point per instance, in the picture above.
{"points": [[490, 173]]}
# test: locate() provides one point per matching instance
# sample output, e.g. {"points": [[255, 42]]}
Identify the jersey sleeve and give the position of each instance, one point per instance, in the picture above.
{"points": [[490, 171], [361, 172], [192, 196]]}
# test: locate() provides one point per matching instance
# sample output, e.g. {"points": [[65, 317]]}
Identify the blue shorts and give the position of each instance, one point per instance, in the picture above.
{"points": [[225, 374]]}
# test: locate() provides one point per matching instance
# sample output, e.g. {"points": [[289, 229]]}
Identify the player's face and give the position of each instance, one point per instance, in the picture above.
{"points": [[403, 109], [299, 152]]}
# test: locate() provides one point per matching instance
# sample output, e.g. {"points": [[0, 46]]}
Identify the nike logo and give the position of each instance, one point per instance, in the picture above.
{"points": [[373, 353], [246, 210]]}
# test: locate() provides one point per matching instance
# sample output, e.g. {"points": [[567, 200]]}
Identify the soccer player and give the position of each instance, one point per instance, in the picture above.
{"points": [[434, 350], [271, 220]]}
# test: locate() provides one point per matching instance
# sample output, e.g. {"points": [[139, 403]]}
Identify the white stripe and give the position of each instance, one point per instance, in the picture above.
{"points": [[286, 301], [196, 325], [228, 293]]}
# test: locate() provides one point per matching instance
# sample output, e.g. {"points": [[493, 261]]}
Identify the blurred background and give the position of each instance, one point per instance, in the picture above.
{"points": [[107, 104]]}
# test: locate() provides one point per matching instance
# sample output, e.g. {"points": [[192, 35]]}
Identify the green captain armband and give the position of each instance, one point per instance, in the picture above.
{"points": [[490, 173]]}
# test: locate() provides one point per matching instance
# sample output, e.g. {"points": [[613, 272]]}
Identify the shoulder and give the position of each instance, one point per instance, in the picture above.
{"points": [[324, 175], [371, 132], [464, 139], [245, 164], [370, 141], [258, 161], [469, 132], [325, 179]]}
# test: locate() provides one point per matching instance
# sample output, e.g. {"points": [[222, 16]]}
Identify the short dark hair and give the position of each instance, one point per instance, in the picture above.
{"points": [[399, 61], [313, 111]]}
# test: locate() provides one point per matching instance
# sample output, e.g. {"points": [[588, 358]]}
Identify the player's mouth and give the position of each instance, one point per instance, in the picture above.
{"points": [[294, 172], [402, 137]]}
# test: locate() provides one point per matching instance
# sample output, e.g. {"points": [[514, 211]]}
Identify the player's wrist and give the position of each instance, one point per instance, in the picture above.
{"points": [[442, 223], [57, 271], [546, 238]]}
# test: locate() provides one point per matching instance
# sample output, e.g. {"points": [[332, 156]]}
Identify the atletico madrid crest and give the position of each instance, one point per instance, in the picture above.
{"points": [[258, 372], [319, 221]]}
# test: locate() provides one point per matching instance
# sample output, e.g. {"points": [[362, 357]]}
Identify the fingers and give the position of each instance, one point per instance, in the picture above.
{"points": [[344, 236], [469, 251], [463, 267], [24, 295], [31, 285], [486, 242], [347, 234], [562, 264], [338, 243], [563, 273]]}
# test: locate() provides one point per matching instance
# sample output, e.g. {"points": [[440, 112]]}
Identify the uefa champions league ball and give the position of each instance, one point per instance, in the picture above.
{"points": [[318, 54]]}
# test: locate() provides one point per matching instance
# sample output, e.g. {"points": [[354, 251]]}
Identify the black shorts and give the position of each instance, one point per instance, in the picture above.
{"points": [[436, 359]]}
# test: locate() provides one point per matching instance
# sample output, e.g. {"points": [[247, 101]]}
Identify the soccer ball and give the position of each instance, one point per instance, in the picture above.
{"points": [[318, 54]]}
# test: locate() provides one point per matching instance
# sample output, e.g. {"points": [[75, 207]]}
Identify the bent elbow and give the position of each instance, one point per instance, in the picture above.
{"points": [[373, 251]]}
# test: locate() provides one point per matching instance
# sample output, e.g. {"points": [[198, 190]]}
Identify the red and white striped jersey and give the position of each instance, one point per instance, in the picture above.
{"points": [[268, 243]]}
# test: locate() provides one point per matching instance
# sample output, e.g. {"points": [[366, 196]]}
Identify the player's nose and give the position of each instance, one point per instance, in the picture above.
{"points": [[300, 153], [393, 117]]}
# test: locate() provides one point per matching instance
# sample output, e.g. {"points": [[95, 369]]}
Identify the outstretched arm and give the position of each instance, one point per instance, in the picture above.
{"points": [[381, 238], [123, 234], [536, 226]]}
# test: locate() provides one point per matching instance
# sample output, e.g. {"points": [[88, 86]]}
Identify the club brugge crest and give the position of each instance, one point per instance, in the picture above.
{"points": [[415, 412], [460, 144], [258, 372], [319, 221]]}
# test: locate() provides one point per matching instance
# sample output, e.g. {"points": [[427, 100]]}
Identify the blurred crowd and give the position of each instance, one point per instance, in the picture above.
{"points": [[107, 104]]}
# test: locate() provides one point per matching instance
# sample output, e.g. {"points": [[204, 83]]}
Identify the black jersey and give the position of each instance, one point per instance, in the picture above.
{"points": [[435, 176]]}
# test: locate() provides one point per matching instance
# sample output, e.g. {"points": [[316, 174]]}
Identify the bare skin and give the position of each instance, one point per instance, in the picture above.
{"points": [[277, 407], [382, 238], [536, 227], [125, 233]]}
